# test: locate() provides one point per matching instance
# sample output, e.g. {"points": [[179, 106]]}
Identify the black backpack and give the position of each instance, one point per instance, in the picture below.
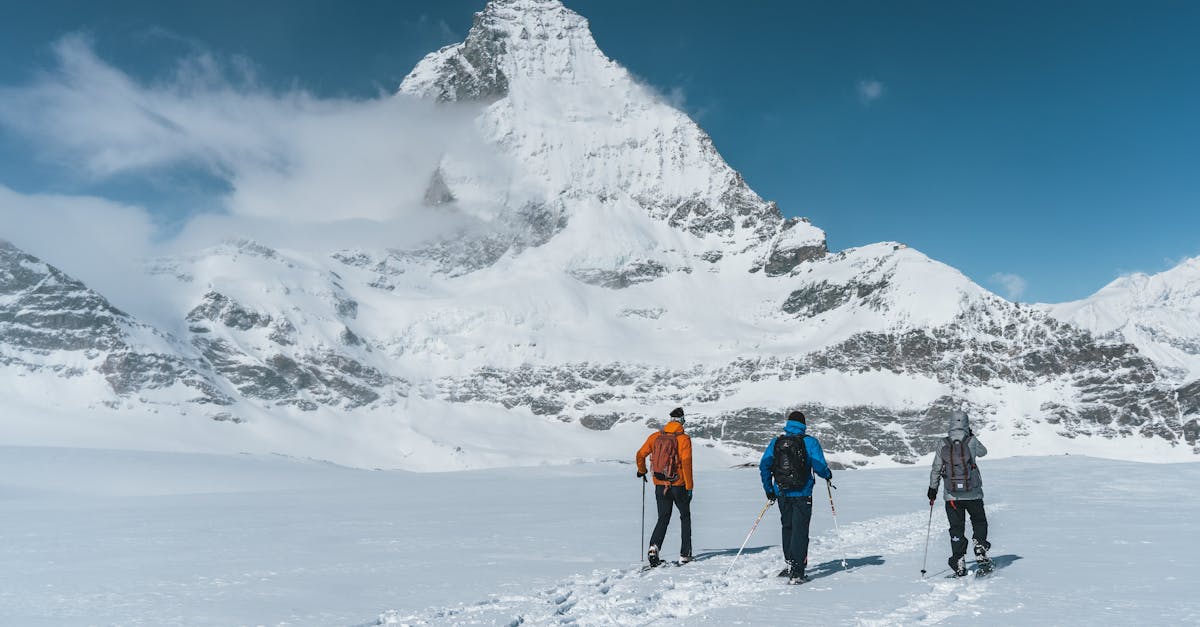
{"points": [[791, 468]]}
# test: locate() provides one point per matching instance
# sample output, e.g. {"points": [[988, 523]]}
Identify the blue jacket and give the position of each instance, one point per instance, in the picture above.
{"points": [[816, 458]]}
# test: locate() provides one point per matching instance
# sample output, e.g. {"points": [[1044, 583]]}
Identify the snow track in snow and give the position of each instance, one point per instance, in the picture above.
{"points": [[633, 596]]}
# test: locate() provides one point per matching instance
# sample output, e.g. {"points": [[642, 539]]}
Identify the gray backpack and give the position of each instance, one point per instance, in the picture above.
{"points": [[959, 469]]}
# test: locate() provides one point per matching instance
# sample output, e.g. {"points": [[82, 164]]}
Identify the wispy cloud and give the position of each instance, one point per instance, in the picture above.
{"points": [[437, 28], [870, 90], [298, 170], [1014, 285], [288, 155]]}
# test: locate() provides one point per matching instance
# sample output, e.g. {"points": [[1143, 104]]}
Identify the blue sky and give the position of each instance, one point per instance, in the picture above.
{"points": [[1042, 148]]}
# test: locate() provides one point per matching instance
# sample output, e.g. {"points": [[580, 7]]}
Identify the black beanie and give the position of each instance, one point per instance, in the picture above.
{"points": [[677, 412], [798, 416]]}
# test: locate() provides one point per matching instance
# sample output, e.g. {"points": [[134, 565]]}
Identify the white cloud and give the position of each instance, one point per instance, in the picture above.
{"points": [[870, 90], [1014, 285], [302, 172], [284, 155]]}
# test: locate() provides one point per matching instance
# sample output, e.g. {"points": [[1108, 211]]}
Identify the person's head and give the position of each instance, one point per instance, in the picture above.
{"points": [[677, 415], [958, 421], [797, 416]]}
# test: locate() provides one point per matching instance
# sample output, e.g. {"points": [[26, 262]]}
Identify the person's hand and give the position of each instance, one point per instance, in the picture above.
{"points": [[770, 496], [932, 494], [689, 496], [641, 475]]}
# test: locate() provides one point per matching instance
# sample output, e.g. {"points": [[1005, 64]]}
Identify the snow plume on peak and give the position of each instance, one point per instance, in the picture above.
{"points": [[581, 127]]}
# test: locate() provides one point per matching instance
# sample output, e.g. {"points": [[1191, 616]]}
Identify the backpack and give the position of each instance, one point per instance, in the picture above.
{"points": [[958, 463], [664, 457], [791, 468]]}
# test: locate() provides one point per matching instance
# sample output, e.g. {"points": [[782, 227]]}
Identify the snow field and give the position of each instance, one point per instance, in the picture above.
{"points": [[95, 537]]}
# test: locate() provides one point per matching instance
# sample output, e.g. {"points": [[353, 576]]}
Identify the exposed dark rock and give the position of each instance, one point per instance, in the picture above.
{"points": [[631, 274], [219, 308], [437, 192]]}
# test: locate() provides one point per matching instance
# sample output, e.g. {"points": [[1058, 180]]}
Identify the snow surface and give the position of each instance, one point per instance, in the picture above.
{"points": [[106, 537]]}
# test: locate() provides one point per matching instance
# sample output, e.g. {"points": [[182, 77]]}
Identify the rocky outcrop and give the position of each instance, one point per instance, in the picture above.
{"points": [[49, 320]]}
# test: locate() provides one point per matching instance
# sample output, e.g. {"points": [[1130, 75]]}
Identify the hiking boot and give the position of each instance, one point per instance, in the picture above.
{"points": [[683, 559], [981, 549], [796, 573], [958, 565], [652, 557]]}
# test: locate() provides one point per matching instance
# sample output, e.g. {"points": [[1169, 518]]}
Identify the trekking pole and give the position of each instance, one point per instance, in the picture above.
{"points": [[643, 545], [928, 526], [741, 548], [829, 487]]}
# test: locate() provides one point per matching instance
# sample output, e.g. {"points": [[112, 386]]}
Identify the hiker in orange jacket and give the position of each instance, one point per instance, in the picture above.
{"points": [[670, 452]]}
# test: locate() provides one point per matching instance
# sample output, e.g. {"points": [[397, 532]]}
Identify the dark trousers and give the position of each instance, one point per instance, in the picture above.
{"points": [[795, 512], [666, 497], [956, 513]]}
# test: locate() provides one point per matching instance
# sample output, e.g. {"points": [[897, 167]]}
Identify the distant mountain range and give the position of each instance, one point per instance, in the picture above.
{"points": [[624, 269]]}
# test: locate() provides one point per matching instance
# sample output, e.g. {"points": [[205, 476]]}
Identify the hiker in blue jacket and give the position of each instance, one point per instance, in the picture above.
{"points": [[787, 468]]}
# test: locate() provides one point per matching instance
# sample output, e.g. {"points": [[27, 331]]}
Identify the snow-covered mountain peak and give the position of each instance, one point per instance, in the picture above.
{"points": [[578, 134], [512, 44], [1155, 312]]}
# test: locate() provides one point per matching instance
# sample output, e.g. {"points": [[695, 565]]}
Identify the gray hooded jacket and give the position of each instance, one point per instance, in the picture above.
{"points": [[958, 429]]}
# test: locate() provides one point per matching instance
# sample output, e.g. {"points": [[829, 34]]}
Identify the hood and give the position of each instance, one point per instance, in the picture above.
{"points": [[794, 427], [958, 425], [674, 427]]}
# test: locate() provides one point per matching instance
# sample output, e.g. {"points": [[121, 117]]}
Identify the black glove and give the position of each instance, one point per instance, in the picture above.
{"points": [[641, 475], [932, 494], [770, 496], [689, 496]]}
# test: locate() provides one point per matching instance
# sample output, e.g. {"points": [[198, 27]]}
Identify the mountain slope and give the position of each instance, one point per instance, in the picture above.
{"points": [[1160, 314], [614, 267], [54, 325]]}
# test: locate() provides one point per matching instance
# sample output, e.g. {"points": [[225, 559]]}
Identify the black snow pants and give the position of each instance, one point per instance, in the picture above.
{"points": [[666, 496], [795, 514], [956, 513]]}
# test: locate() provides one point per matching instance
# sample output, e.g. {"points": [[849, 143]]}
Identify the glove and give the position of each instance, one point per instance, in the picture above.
{"points": [[689, 496], [932, 494], [770, 496], [641, 475]]}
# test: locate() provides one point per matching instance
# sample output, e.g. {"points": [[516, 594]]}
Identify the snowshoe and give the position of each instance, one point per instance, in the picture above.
{"points": [[683, 559], [652, 557]]}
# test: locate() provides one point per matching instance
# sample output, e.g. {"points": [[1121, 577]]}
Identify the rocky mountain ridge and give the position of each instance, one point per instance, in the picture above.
{"points": [[623, 269]]}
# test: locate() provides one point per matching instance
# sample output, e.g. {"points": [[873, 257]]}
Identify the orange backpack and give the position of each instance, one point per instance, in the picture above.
{"points": [[664, 457]]}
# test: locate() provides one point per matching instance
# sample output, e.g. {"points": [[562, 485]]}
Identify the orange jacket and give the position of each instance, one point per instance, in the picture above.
{"points": [[685, 454]]}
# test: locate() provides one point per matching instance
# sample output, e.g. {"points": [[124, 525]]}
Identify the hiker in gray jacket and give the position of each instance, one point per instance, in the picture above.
{"points": [[954, 465]]}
